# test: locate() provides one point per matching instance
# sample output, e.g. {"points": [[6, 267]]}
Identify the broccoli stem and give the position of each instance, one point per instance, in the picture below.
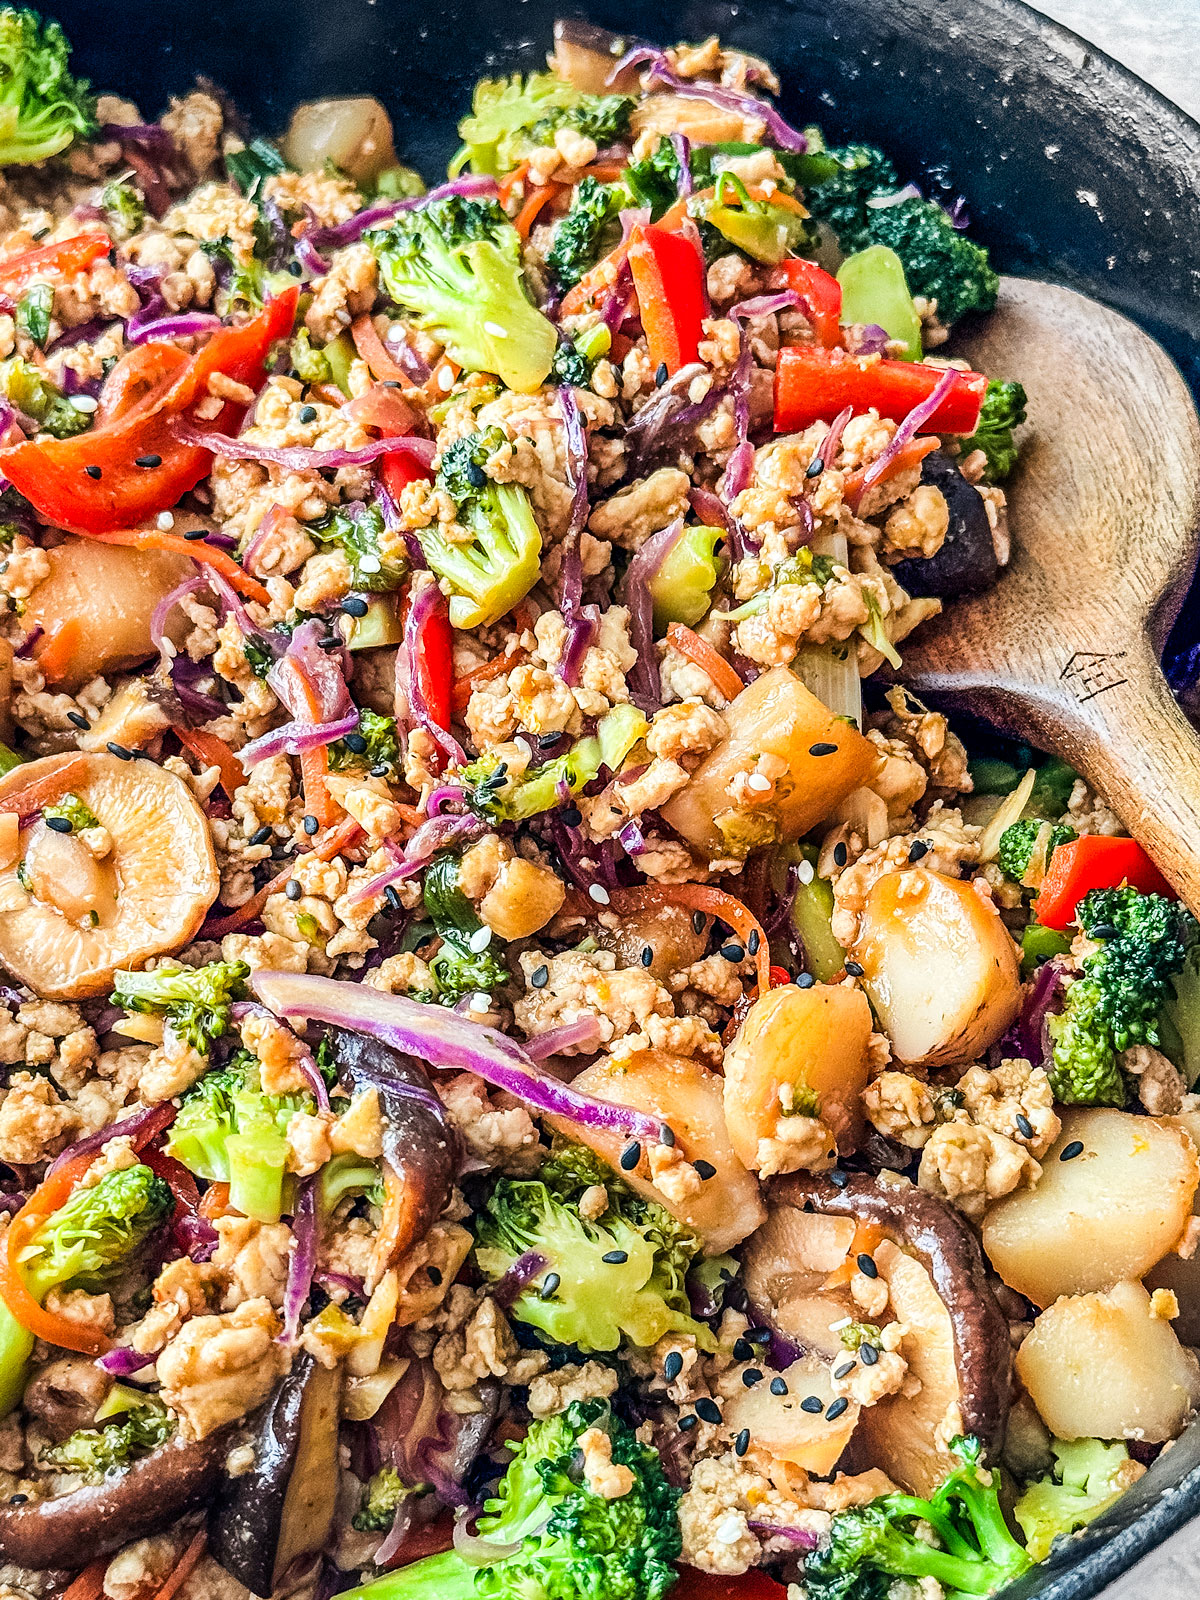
{"points": [[16, 1347], [441, 1577], [256, 1168]]}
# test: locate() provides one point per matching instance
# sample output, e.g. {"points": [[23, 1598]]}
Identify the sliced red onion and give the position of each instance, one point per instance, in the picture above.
{"points": [[294, 738], [832, 442], [397, 1533], [450, 794], [441, 1038], [81, 333], [765, 305], [476, 1551], [185, 674], [907, 430], [429, 838], [422, 608], [349, 232], [298, 459], [303, 1261], [682, 146], [668, 414], [781, 133], [632, 839], [183, 326], [141, 1127], [310, 258], [644, 675], [581, 632], [798, 1538], [524, 1270], [158, 618], [123, 1362], [317, 672], [616, 302], [584, 1031], [575, 438]]}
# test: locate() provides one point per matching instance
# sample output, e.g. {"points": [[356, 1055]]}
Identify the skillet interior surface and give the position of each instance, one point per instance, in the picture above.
{"points": [[1073, 168]]}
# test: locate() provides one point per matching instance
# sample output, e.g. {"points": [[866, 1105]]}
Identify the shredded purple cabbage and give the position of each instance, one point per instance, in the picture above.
{"points": [[143, 1126], [303, 1262], [351, 231], [298, 459], [781, 133], [644, 675]]}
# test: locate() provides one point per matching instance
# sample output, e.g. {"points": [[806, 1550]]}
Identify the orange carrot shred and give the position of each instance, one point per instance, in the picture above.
{"points": [[214, 752], [89, 1585], [206, 554], [701, 654], [56, 654]]}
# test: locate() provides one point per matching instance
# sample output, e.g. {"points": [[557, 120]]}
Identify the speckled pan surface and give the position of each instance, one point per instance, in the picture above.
{"points": [[1075, 170]]}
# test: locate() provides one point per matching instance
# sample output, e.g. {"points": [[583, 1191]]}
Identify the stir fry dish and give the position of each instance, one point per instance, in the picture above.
{"points": [[531, 1066]]}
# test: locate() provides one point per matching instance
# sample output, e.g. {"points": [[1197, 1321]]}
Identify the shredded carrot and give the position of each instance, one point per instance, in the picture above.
{"points": [[701, 654], [603, 171], [382, 407], [214, 1201], [465, 686], [51, 1193], [314, 765], [528, 214], [55, 657], [184, 1567], [374, 352], [509, 183], [206, 554], [329, 393], [410, 815], [713, 903], [214, 752], [339, 839], [89, 1585], [909, 455], [44, 791]]}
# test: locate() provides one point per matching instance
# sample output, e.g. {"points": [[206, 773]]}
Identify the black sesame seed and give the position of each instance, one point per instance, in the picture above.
{"points": [[759, 1335], [647, 955], [672, 1365], [380, 769], [661, 374], [476, 476], [698, 920], [571, 817], [310, 824], [917, 849], [868, 1354], [261, 835], [751, 1376], [434, 1274], [839, 855], [732, 952], [550, 1285], [630, 1156], [667, 1136], [334, 642], [822, 749], [119, 750], [78, 719], [686, 1424], [1070, 1151], [296, 270], [356, 743], [866, 1266], [707, 1410], [836, 1407], [812, 1404], [150, 460], [95, 473], [355, 606], [293, 889], [1024, 1126], [547, 741], [742, 1443], [815, 468], [392, 895], [540, 977], [743, 1350], [853, 969], [59, 824], [753, 942], [615, 1258], [844, 1371], [17, 1499], [705, 1169], [838, 1178], [779, 1386], [308, 413], [804, 980], [195, 534], [1104, 930]]}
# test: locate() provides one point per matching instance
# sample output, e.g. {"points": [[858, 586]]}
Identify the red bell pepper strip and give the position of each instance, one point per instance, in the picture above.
{"points": [[92, 484], [752, 1585], [397, 471], [821, 297], [1094, 862], [52, 261], [434, 664], [813, 385], [668, 275]]}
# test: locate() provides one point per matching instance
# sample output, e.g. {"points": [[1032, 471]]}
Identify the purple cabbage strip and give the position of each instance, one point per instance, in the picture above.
{"points": [[641, 571], [667, 415], [429, 838], [153, 1118], [584, 1031], [682, 146], [517, 1279], [351, 231], [1043, 998], [123, 1362], [908, 429], [185, 674], [781, 133], [158, 618], [294, 738], [303, 1262], [299, 459], [184, 325]]}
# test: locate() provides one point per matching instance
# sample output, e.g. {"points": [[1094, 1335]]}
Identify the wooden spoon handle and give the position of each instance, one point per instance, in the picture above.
{"points": [[1124, 732]]}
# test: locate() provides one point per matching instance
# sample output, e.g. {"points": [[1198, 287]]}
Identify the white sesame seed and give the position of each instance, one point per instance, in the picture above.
{"points": [[445, 380], [496, 331], [758, 783], [84, 402], [599, 894], [806, 872], [370, 563], [481, 1004], [730, 1528], [480, 939], [166, 520]]}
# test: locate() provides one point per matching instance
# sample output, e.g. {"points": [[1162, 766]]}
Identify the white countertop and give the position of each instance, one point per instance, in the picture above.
{"points": [[1161, 43]]}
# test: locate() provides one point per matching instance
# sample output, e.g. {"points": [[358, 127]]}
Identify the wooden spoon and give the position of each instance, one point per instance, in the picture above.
{"points": [[1105, 517]]}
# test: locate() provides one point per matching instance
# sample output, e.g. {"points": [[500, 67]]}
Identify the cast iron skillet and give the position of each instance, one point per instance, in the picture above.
{"points": [[1074, 170]]}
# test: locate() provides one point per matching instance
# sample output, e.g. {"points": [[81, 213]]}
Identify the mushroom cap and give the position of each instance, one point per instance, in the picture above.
{"points": [[84, 917]]}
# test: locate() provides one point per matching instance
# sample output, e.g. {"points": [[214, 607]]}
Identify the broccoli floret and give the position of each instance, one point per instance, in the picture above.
{"points": [[1088, 1475], [383, 1493], [123, 207], [939, 262], [870, 1545], [373, 745], [576, 245], [511, 117], [71, 810], [228, 1130], [94, 1451], [454, 266], [572, 367], [1143, 943], [30, 391], [348, 1174], [43, 108], [1003, 410], [197, 1001], [378, 559], [85, 1244], [253, 164], [502, 561], [622, 1276], [575, 1544], [457, 969], [1018, 842]]}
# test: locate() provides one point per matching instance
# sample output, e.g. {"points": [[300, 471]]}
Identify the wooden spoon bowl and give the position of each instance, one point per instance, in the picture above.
{"points": [[1105, 516]]}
